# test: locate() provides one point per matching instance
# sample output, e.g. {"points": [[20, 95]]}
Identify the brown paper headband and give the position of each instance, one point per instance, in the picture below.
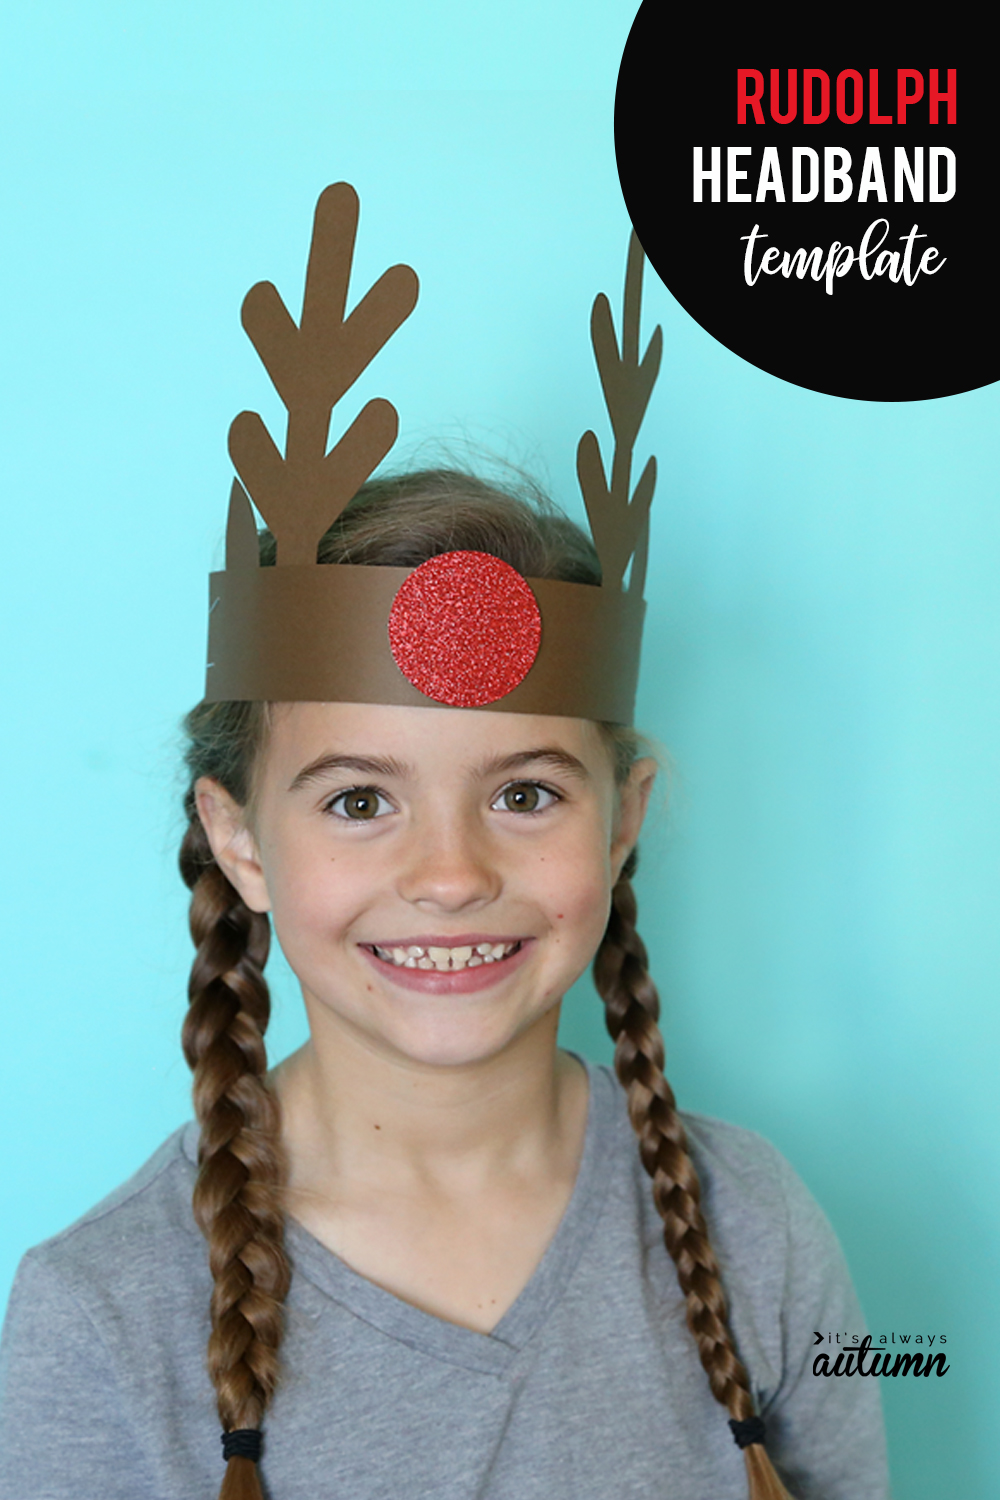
{"points": [[462, 630]]}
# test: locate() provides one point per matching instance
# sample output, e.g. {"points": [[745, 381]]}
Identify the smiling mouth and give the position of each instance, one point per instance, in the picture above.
{"points": [[445, 960]]}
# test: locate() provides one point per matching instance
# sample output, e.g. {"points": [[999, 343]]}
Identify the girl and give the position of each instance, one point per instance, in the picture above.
{"points": [[434, 1263]]}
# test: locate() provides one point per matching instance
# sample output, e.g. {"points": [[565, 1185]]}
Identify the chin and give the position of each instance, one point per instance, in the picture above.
{"points": [[453, 1047], [455, 1036], [437, 1030]]}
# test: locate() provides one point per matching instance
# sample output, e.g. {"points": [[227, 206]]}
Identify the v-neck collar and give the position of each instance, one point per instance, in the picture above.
{"points": [[488, 1353]]}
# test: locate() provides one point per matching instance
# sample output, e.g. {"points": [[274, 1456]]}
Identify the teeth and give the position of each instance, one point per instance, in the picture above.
{"points": [[445, 960]]}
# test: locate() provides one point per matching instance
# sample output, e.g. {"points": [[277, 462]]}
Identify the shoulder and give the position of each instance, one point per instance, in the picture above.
{"points": [[747, 1186], [103, 1318], [147, 1219], [773, 1238], [781, 1264], [124, 1289], [784, 1277]]}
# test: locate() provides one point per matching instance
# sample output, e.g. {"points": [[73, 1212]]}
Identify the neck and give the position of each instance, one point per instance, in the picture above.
{"points": [[353, 1112]]}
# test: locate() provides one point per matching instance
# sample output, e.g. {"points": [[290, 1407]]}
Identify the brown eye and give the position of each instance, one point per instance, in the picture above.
{"points": [[525, 797], [361, 804]]}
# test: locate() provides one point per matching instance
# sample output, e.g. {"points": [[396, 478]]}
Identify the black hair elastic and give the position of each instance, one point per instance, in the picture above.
{"points": [[242, 1442], [749, 1431]]}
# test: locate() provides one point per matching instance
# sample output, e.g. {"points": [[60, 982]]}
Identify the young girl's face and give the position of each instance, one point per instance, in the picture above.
{"points": [[438, 878]]}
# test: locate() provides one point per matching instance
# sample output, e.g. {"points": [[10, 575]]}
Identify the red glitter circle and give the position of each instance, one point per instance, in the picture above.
{"points": [[465, 628]]}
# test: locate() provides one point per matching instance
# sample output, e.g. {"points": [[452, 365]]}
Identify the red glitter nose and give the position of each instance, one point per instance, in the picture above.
{"points": [[465, 628]]}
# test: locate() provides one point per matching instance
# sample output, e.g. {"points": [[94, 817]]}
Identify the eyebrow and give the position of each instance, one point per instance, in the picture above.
{"points": [[379, 765], [364, 765], [548, 755]]}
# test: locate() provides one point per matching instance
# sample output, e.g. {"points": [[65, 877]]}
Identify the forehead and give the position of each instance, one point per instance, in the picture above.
{"points": [[422, 738]]}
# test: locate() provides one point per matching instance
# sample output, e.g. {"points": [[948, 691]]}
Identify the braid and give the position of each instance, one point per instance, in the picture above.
{"points": [[632, 1008], [237, 1196]]}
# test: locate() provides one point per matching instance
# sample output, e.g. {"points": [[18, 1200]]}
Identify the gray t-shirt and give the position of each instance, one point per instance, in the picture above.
{"points": [[589, 1388]]}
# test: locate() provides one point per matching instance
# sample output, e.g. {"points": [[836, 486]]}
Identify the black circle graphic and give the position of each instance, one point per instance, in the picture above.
{"points": [[861, 258]]}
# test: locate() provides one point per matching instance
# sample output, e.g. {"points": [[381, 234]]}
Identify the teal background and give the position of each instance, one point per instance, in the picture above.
{"points": [[820, 892]]}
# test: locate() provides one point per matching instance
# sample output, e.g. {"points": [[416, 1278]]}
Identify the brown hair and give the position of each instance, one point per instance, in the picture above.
{"points": [[399, 521]]}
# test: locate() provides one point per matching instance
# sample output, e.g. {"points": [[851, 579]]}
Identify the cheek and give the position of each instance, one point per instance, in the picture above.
{"points": [[311, 894], [582, 902]]}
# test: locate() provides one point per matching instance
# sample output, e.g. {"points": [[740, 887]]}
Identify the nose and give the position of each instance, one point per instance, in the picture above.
{"points": [[448, 866]]}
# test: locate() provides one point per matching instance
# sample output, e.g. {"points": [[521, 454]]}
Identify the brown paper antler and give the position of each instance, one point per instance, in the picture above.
{"points": [[312, 365], [619, 520], [301, 632]]}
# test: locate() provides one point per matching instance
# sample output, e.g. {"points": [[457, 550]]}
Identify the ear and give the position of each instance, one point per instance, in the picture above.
{"points": [[633, 799], [232, 842]]}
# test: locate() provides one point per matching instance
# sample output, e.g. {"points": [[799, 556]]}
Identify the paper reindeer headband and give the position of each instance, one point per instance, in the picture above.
{"points": [[463, 629]]}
